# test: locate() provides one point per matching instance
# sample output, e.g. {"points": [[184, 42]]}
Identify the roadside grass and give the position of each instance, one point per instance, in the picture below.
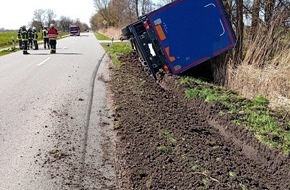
{"points": [[8, 51], [116, 50], [100, 36], [265, 68], [6, 39], [254, 114]]}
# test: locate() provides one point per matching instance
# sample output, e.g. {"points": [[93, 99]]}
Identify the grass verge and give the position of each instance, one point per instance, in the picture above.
{"points": [[269, 127], [8, 51], [116, 50], [100, 36]]}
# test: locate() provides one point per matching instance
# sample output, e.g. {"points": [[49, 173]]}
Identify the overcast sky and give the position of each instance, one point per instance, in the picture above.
{"points": [[16, 13]]}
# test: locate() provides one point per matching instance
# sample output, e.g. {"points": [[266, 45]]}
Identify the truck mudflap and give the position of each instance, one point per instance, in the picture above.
{"points": [[191, 32]]}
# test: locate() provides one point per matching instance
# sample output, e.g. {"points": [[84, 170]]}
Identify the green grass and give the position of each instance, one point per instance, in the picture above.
{"points": [[100, 36], [6, 38], [5, 52], [162, 148], [254, 114], [168, 135], [116, 50]]}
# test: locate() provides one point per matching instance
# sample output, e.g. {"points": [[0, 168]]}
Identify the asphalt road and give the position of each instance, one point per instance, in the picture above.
{"points": [[55, 120]]}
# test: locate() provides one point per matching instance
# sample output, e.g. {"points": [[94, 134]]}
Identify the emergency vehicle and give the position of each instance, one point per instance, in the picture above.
{"points": [[74, 30]]}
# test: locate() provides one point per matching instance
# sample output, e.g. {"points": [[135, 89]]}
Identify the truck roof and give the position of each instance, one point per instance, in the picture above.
{"points": [[191, 32]]}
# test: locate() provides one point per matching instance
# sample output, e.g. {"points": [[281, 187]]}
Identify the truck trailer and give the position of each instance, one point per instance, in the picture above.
{"points": [[181, 35]]}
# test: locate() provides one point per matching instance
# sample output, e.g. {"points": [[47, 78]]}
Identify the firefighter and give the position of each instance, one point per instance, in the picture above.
{"points": [[24, 37], [19, 38], [45, 37], [52, 35], [30, 37], [35, 37]]}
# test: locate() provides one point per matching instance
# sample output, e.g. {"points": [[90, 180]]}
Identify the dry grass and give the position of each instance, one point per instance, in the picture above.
{"points": [[272, 82], [265, 69], [111, 32]]}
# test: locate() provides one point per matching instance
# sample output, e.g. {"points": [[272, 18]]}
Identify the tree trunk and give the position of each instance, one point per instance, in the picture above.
{"points": [[255, 17], [239, 32], [137, 7], [269, 8]]}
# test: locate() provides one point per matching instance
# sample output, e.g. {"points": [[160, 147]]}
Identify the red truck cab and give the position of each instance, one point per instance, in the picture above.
{"points": [[74, 30]]}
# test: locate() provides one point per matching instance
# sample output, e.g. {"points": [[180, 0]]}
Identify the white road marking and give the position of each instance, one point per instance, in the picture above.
{"points": [[39, 64]]}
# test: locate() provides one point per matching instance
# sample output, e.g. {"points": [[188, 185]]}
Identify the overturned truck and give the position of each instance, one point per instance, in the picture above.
{"points": [[181, 35]]}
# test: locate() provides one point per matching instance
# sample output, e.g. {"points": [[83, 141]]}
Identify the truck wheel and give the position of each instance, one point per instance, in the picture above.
{"points": [[125, 33]]}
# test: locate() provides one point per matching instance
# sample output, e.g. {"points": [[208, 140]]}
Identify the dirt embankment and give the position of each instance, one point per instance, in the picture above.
{"points": [[166, 142]]}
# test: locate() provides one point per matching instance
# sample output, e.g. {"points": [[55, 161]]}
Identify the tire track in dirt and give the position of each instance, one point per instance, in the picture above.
{"points": [[167, 142]]}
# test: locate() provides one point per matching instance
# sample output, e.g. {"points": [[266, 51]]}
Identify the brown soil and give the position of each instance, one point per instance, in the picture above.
{"points": [[166, 142]]}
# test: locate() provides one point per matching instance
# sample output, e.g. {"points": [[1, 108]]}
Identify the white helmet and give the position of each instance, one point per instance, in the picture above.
{"points": [[51, 25], [33, 28]]}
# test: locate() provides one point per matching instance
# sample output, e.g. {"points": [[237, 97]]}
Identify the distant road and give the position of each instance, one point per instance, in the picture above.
{"points": [[52, 110]]}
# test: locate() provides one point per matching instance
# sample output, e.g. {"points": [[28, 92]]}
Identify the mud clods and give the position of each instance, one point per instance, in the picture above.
{"points": [[166, 142]]}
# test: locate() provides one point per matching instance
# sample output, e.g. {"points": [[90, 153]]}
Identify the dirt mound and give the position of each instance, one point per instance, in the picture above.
{"points": [[167, 142]]}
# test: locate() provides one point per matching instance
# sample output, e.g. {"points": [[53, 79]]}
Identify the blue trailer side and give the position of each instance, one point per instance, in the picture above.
{"points": [[191, 32], [181, 35]]}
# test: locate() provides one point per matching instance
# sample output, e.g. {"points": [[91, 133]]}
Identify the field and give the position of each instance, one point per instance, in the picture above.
{"points": [[6, 39]]}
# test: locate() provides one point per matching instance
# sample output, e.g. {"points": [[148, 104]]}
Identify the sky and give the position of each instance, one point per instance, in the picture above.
{"points": [[16, 13]]}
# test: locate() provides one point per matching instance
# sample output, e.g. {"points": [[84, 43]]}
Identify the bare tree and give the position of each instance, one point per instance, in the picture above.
{"points": [[94, 22], [103, 7], [240, 31], [137, 7], [122, 11], [143, 6], [269, 10], [43, 17], [50, 16], [39, 18], [64, 23], [255, 16], [146, 6]]}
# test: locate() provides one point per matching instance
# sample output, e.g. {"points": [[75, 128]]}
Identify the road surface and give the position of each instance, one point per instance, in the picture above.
{"points": [[55, 120]]}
